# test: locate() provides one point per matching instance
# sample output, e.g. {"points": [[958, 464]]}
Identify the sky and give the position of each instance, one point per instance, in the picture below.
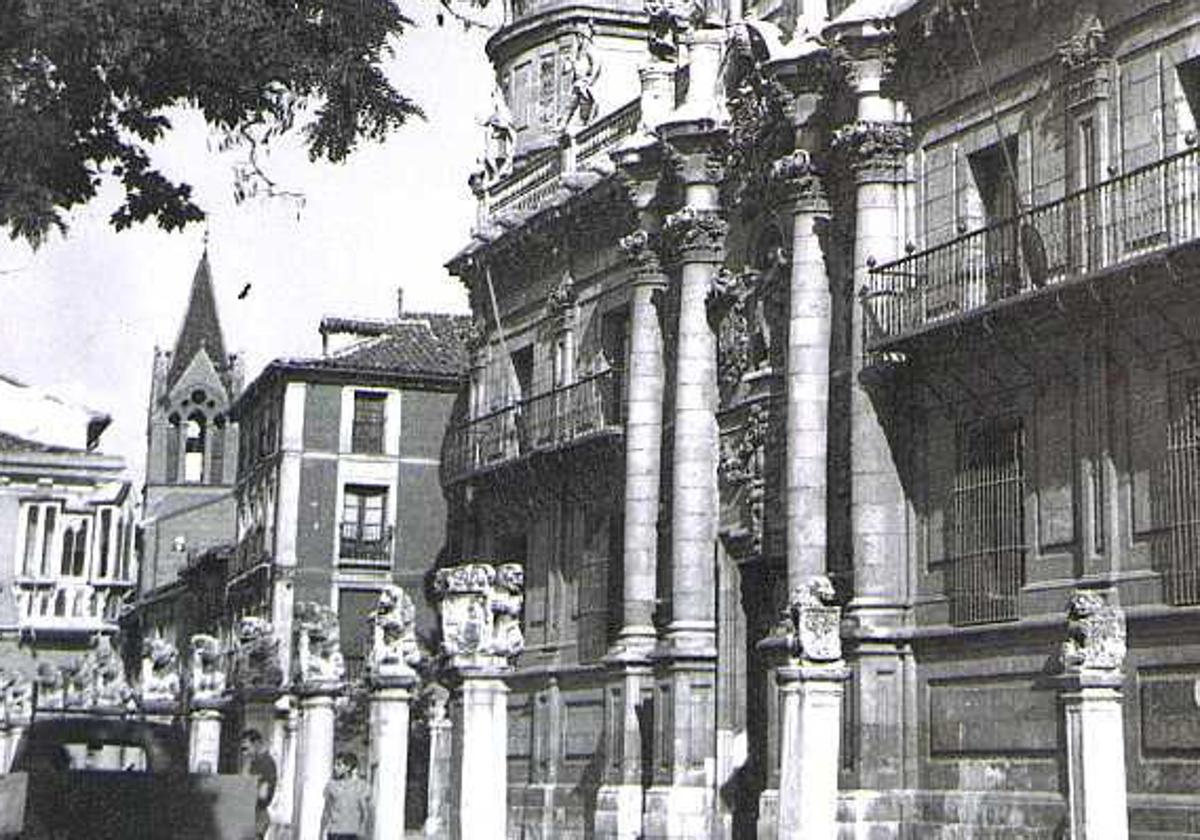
{"points": [[80, 316]]}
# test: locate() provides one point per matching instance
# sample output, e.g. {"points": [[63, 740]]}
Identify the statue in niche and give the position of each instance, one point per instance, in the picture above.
{"points": [[207, 674], [394, 648], [584, 70]]}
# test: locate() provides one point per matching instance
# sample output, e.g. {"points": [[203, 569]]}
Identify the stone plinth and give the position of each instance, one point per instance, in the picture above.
{"points": [[204, 737], [390, 700], [437, 819]]}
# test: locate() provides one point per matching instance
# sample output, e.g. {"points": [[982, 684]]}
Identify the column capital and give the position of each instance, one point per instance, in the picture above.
{"points": [[793, 180], [641, 249], [480, 607], [697, 158], [875, 150], [694, 235]]}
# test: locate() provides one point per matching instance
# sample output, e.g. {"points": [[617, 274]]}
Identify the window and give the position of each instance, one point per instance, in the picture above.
{"points": [[193, 450], [74, 548], [364, 535], [994, 170], [38, 538], [102, 562], [987, 564], [216, 469], [369, 416], [1181, 514]]}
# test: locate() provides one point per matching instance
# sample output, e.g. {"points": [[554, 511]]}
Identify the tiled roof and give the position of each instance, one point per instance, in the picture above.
{"points": [[201, 326], [416, 345]]}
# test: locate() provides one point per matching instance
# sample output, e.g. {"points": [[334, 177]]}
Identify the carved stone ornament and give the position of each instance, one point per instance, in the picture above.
{"points": [[814, 622], [319, 659], [639, 249], [742, 462], [160, 672], [873, 144], [207, 672], [51, 686], [94, 681], [480, 609], [256, 655], [793, 178], [760, 131], [1089, 44], [691, 234], [1095, 634], [560, 303], [669, 21], [394, 648], [18, 700]]}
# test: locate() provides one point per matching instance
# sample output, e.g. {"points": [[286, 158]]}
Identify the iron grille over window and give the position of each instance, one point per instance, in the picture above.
{"points": [[364, 536], [987, 565], [1182, 488], [367, 435]]}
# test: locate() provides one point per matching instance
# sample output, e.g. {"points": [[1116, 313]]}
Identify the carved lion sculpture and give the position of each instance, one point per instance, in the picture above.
{"points": [[256, 660], [160, 671], [208, 677], [318, 646], [1095, 633], [506, 601], [51, 686], [394, 648]]}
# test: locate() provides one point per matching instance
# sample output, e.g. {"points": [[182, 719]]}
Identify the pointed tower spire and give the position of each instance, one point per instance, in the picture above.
{"points": [[201, 329]]}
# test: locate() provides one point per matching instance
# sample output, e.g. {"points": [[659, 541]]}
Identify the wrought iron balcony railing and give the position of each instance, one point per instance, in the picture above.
{"points": [[541, 423], [365, 545], [1150, 209]]}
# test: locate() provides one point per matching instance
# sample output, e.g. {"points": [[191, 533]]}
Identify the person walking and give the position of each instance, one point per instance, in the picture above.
{"points": [[347, 814], [257, 762]]}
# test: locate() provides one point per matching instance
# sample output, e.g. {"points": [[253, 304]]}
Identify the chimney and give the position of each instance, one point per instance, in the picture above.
{"points": [[399, 301]]}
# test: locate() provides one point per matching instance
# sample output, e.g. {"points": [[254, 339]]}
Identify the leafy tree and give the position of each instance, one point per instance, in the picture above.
{"points": [[85, 86]]}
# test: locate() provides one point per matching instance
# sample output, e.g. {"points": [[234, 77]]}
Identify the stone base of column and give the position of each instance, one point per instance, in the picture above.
{"points": [[204, 739], [479, 784], [810, 737], [619, 801], [619, 812], [390, 698], [1095, 734], [679, 813]]}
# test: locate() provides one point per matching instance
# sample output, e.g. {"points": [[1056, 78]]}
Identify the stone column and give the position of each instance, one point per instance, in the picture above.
{"points": [[319, 679], [681, 802], [1090, 692], [391, 678], [481, 632], [875, 147], [284, 739], [811, 676], [619, 800], [206, 688], [437, 818]]}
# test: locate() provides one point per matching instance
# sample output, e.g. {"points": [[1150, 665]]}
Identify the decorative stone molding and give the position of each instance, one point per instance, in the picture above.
{"points": [[481, 613], [640, 248], [51, 686], [159, 684], [814, 622], [1095, 635], [1088, 44], [16, 695], [760, 131], [207, 677], [256, 662], [94, 681], [698, 159], [693, 235], [394, 648], [319, 663], [873, 147], [669, 21], [1085, 62], [793, 179]]}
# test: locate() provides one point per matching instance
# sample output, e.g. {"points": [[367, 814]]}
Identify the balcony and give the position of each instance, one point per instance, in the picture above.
{"points": [[537, 179], [1147, 211], [365, 546], [548, 422]]}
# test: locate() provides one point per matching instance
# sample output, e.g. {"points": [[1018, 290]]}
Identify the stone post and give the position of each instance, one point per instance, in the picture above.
{"points": [[18, 713], [206, 684], [811, 678], [319, 679], [480, 610], [391, 678], [437, 818], [1090, 692], [284, 741], [681, 801]]}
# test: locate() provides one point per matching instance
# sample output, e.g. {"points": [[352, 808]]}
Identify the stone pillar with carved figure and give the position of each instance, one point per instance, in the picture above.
{"points": [[807, 647], [391, 678], [1090, 693], [158, 690], [682, 798], [207, 701], [875, 149], [480, 607], [319, 679], [18, 714]]}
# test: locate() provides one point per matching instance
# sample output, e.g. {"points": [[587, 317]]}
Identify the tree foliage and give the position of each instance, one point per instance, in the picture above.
{"points": [[85, 87]]}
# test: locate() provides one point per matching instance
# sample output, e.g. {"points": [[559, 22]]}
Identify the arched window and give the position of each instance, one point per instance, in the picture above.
{"points": [[68, 551], [193, 448], [60, 603]]}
